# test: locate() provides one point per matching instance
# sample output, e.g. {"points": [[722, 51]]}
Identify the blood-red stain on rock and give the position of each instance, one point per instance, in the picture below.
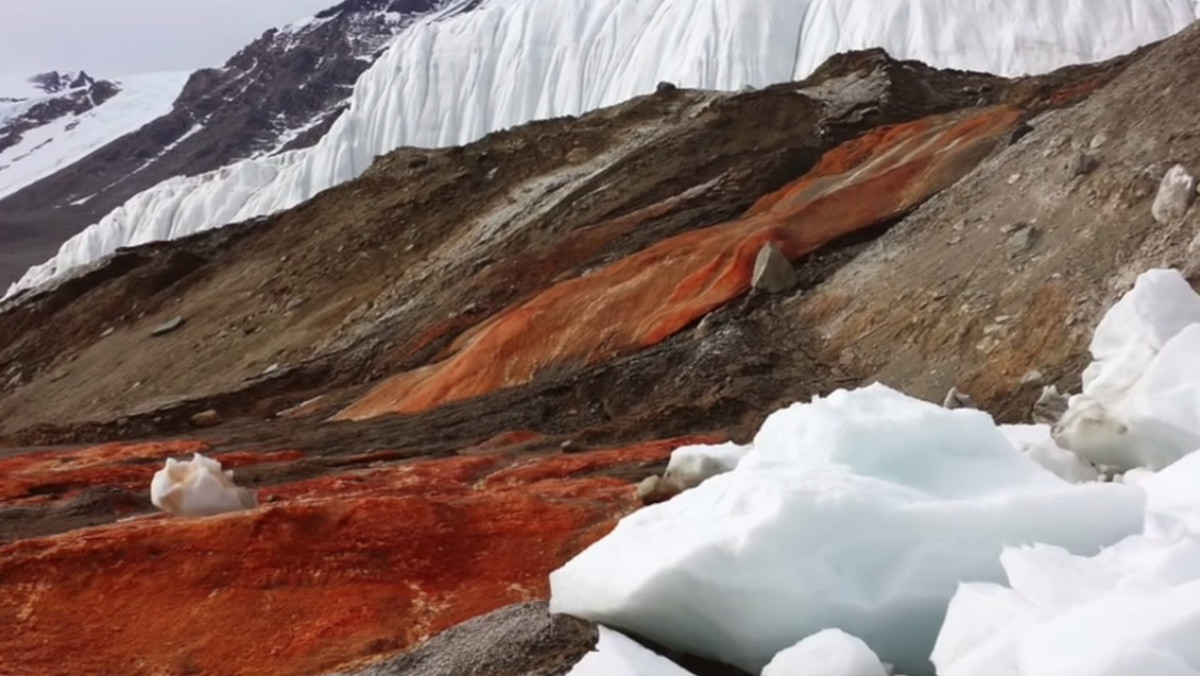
{"points": [[644, 298], [339, 568]]}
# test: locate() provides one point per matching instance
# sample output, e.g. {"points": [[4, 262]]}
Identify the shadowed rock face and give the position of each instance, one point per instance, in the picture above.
{"points": [[508, 336]]}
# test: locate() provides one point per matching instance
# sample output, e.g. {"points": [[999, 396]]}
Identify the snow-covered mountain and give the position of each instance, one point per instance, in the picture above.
{"points": [[281, 92], [52, 120], [455, 75]]}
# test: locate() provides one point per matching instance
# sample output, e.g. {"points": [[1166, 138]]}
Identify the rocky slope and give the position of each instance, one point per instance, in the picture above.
{"points": [[445, 377], [456, 75], [279, 93]]}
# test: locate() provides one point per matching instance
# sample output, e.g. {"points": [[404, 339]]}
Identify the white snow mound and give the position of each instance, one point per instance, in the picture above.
{"points": [[1140, 404], [454, 76], [861, 511], [1134, 608], [831, 652], [618, 655], [198, 487]]}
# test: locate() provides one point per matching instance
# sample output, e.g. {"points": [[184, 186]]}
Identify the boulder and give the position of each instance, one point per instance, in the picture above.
{"points": [[1083, 164], [518, 640], [773, 272], [1176, 192]]}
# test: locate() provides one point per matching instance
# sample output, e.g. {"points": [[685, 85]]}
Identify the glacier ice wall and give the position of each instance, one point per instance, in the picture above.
{"points": [[454, 76]]}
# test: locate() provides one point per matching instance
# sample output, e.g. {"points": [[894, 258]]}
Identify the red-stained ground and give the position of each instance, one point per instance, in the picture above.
{"points": [[330, 570]]}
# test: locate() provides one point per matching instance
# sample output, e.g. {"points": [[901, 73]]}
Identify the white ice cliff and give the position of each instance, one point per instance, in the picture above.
{"points": [[455, 76]]}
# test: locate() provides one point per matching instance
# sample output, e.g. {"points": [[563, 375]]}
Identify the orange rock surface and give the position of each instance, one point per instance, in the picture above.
{"points": [[336, 569], [639, 301]]}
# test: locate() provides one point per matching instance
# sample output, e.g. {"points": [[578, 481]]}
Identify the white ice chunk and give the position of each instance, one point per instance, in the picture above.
{"points": [[618, 655], [1037, 443], [198, 487], [1133, 608], [692, 465], [1140, 405], [861, 511], [831, 652]]}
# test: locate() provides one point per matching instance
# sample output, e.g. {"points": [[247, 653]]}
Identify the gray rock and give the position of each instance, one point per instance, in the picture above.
{"points": [[1022, 239], [1176, 192], [172, 325], [518, 640], [773, 272], [955, 399], [1083, 164], [664, 87], [1050, 406], [1019, 132]]}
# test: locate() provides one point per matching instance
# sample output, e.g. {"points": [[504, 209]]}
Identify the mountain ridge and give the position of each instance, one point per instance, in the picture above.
{"points": [[279, 93]]}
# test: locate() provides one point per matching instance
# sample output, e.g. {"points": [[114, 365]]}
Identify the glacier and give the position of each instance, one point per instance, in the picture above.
{"points": [[456, 75]]}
